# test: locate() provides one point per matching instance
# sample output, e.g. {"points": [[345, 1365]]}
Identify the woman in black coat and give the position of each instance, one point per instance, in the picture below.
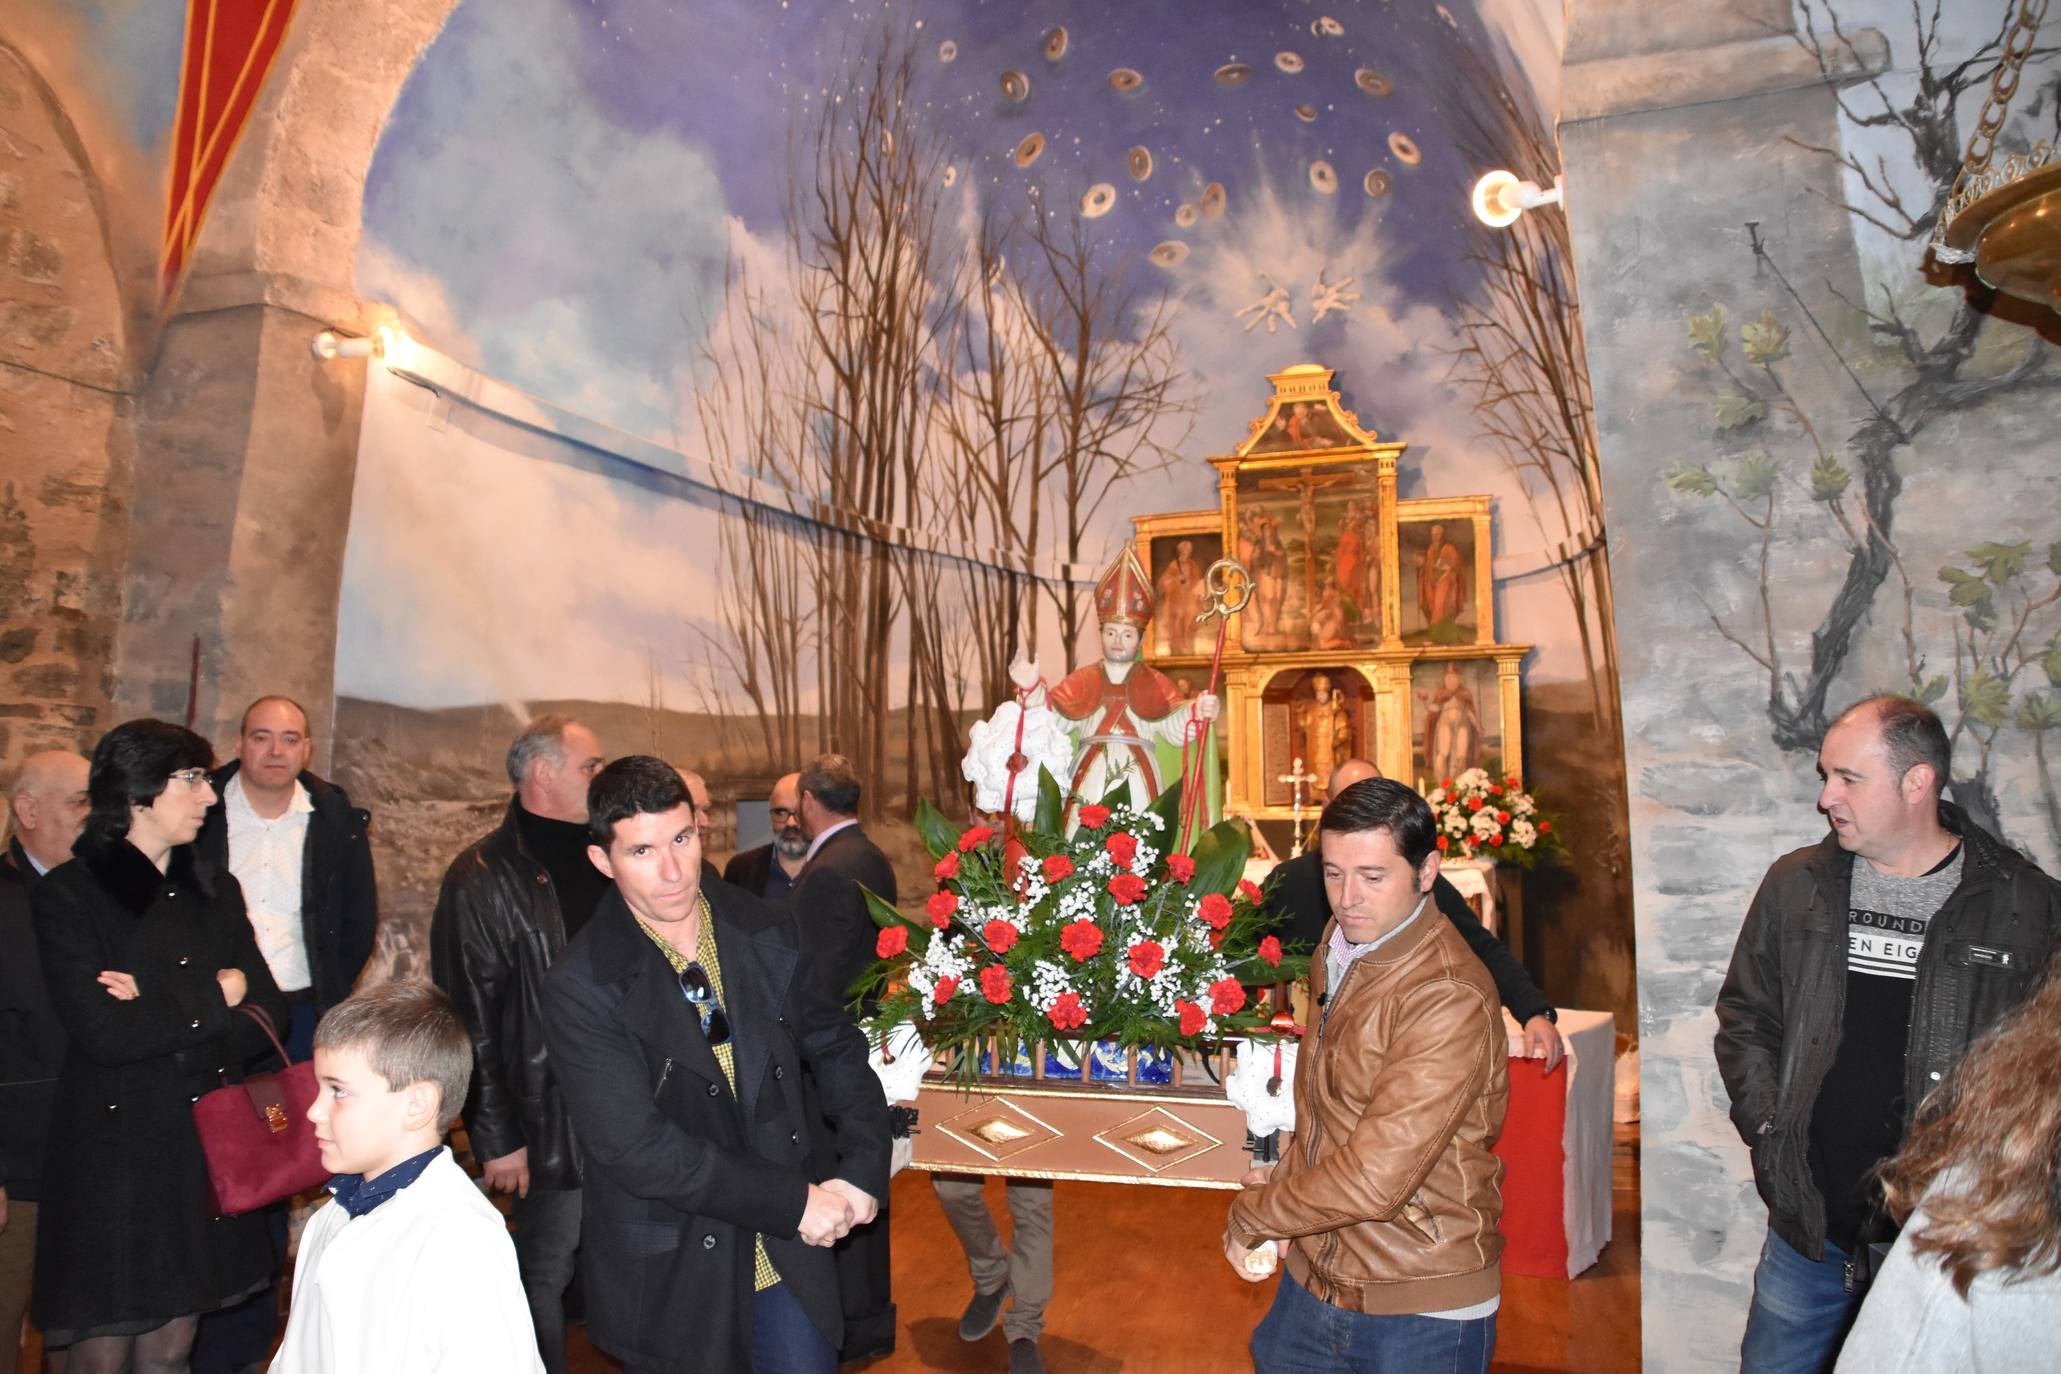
{"points": [[143, 963]]}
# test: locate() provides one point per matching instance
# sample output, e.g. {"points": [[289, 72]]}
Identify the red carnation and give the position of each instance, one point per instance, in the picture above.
{"points": [[1270, 950], [1215, 910], [1000, 935], [1057, 866], [1127, 888], [947, 868], [1094, 817], [1511, 782], [1495, 839], [946, 986], [975, 837], [1251, 890], [1193, 1018], [1147, 958], [893, 940], [940, 908], [1495, 791], [1474, 803], [1122, 847], [1502, 818], [1216, 939], [1545, 826], [1180, 868], [1067, 1013], [1081, 939], [1226, 996], [994, 984], [1446, 783], [1442, 843]]}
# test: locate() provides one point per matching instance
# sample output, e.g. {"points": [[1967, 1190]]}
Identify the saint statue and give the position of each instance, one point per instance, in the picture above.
{"points": [[1452, 727], [1327, 730], [1127, 719]]}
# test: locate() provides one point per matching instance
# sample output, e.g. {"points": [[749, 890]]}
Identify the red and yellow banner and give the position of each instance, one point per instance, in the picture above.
{"points": [[229, 49]]}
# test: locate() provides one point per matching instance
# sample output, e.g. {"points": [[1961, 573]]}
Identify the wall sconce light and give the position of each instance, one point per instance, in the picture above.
{"points": [[1499, 198], [329, 344]]}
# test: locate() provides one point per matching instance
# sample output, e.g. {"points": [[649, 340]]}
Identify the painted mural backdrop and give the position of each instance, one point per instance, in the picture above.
{"points": [[1000, 274]]}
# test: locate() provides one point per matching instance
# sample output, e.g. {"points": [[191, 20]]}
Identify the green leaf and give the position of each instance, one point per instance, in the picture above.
{"points": [[1757, 477], [939, 835], [1167, 806], [1963, 588], [2050, 661], [1982, 617], [1732, 411], [1829, 479], [2054, 558], [2039, 712], [1220, 857], [885, 914], [1691, 479], [1051, 804], [1766, 339], [1119, 795], [1985, 699], [2000, 562], [1707, 333], [1932, 690]]}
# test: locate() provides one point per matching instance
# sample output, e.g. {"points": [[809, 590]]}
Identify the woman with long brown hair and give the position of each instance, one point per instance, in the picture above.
{"points": [[1974, 1282]]}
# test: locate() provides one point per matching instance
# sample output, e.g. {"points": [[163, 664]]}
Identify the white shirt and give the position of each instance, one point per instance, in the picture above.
{"points": [[825, 834], [425, 1283], [265, 855]]}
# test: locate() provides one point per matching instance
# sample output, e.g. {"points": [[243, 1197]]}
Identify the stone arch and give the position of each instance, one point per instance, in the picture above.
{"points": [[246, 446], [63, 412]]}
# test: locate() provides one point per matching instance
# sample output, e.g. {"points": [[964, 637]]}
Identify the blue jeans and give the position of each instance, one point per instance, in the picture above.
{"points": [[784, 1340], [1801, 1311], [1302, 1335], [547, 1244]]}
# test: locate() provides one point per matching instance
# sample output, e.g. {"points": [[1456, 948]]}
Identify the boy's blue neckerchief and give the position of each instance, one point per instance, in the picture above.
{"points": [[358, 1195]]}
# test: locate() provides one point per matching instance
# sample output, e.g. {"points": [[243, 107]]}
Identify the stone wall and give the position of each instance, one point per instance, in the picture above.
{"points": [[1679, 130], [63, 429]]}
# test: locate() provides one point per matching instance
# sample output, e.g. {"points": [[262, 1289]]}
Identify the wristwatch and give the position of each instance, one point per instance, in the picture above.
{"points": [[1551, 1015]]}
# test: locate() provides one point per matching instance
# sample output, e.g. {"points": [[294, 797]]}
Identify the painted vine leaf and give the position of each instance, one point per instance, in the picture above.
{"points": [[1829, 479], [1733, 411], [1757, 475], [1932, 690], [2039, 712], [1985, 698], [2050, 661], [1766, 339], [1707, 333], [1691, 479], [2000, 562], [2054, 559], [1968, 591]]}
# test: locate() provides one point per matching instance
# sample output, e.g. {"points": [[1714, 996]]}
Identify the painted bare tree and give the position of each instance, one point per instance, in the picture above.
{"points": [[1963, 359], [1522, 359]]}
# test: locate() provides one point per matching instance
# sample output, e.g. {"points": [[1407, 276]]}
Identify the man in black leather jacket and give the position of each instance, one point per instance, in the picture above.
{"points": [[1853, 989], [508, 905]]}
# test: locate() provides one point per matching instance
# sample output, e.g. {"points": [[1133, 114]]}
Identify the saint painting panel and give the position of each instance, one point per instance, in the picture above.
{"points": [[1311, 537], [1456, 717], [1443, 587]]}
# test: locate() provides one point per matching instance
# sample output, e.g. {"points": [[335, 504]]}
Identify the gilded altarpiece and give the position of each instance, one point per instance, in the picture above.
{"points": [[1371, 628]]}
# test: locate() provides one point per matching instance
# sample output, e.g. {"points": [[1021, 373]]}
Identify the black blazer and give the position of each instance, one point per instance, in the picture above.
{"points": [[339, 896], [31, 1038], [1295, 893], [680, 1173], [748, 869], [124, 1233], [834, 920]]}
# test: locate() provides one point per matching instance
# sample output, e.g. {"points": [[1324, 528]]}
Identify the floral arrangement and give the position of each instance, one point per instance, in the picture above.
{"points": [[1480, 817], [1104, 933]]}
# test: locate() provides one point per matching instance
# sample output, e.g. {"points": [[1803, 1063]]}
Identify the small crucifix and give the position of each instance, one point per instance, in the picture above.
{"points": [[1296, 778]]}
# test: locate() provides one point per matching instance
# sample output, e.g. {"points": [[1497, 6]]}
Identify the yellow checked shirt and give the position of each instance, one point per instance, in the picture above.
{"points": [[763, 1274]]}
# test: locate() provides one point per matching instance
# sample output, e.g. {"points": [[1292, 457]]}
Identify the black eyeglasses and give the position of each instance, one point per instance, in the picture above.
{"points": [[781, 815], [695, 986]]}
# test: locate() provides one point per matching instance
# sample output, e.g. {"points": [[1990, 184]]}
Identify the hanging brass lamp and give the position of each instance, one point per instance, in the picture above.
{"points": [[2006, 218]]}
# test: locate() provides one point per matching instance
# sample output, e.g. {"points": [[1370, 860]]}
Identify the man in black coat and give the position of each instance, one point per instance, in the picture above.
{"points": [[681, 1022], [1295, 891], [274, 819], [839, 928], [48, 806], [772, 870], [508, 905]]}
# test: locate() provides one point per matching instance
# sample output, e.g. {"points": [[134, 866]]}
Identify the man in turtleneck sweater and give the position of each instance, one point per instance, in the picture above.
{"points": [[509, 903]]}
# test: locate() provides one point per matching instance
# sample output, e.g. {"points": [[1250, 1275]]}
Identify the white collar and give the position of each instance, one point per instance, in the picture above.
{"points": [[234, 795]]}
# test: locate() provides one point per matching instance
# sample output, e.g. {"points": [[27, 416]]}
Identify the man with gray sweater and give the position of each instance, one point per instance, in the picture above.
{"points": [[1854, 987]]}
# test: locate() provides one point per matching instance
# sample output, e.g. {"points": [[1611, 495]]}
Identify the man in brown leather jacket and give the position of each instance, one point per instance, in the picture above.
{"points": [[1387, 1198]]}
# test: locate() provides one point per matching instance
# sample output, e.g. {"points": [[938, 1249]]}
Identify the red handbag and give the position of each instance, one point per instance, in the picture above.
{"points": [[259, 1143]]}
